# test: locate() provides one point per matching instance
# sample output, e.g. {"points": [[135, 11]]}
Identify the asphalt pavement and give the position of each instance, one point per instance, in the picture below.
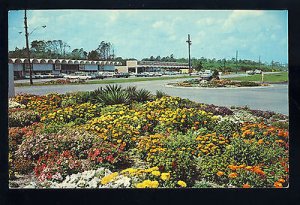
{"points": [[272, 98]]}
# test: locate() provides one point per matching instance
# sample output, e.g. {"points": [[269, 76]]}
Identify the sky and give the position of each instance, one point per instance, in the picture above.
{"points": [[144, 33]]}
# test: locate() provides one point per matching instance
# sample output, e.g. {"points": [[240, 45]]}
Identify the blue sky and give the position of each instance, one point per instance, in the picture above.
{"points": [[142, 33]]}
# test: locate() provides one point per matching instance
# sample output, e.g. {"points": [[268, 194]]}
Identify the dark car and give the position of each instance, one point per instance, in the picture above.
{"points": [[121, 75]]}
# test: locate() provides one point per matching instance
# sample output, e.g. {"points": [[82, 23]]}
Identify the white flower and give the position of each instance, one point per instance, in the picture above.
{"points": [[31, 185], [93, 183], [125, 181], [81, 183]]}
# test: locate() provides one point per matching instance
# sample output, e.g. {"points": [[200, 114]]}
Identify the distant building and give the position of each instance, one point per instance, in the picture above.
{"points": [[155, 66], [55, 66], [20, 66]]}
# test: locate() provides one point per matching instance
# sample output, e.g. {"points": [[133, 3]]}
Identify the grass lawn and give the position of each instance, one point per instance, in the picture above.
{"points": [[110, 81], [271, 78]]}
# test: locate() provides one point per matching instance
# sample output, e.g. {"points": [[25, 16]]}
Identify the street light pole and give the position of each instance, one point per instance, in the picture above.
{"points": [[189, 43], [236, 60], [27, 47]]}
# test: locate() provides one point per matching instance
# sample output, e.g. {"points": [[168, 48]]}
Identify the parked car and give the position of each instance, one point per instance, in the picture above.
{"points": [[106, 74], [121, 75], [79, 76], [194, 74], [257, 71], [250, 72], [48, 75]]}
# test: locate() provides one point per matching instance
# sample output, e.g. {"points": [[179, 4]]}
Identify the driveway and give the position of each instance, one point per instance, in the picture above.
{"points": [[273, 98]]}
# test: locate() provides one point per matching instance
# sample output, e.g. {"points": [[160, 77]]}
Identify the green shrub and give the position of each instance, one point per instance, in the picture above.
{"points": [[142, 95], [160, 94], [176, 157], [251, 153], [110, 95]]}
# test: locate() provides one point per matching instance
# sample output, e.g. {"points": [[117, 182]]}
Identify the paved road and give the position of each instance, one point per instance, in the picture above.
{"points": [[274, 98]]}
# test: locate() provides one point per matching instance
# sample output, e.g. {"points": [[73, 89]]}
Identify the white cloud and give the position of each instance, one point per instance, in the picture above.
{"points": [[238, 16], [209, 21]]}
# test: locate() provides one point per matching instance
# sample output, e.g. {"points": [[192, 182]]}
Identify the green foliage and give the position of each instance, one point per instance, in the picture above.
{"points": [[111, 95], [176, 159], [227, 128], [251, 153], [142, 95], [160, 94]]}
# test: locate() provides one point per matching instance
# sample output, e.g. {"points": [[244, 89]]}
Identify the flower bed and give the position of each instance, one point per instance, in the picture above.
{"points": [[75, 141], [216, 83]]}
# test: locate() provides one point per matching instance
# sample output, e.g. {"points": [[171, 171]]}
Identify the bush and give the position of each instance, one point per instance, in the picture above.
{"points": [[22, 118], [171, 154], [252, 153], [71, 99], [110, 95], [160, 94], [142, 95], [217, 110], [264, 114]]}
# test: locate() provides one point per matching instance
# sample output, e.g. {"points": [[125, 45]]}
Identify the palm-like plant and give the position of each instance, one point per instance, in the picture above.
{"points": [[160, 94], [142, 95], [111, 95]]}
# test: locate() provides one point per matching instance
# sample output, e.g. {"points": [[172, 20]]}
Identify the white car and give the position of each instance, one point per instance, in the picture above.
{"points": [[79, 76]]}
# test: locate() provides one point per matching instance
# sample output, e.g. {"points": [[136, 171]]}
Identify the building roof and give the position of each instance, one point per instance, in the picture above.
{"points": [[62, 61]]}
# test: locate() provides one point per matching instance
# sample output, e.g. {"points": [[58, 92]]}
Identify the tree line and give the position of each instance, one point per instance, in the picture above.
{"points": [[61, 49], [105, 51], [222, 65]]}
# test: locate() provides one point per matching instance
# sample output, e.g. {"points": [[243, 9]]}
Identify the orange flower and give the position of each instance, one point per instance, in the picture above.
{"points": [[232, 167], [260, 141], [281, 180], [257, 170], [219, 173], [246, 186], [232, 175], [286, 134], [280, 133], [279, 141], [277, 185], [242, 166]]}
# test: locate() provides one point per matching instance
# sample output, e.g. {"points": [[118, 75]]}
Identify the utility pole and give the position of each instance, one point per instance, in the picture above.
{"points": [[189, 44], [236, 57], [27, 47]]}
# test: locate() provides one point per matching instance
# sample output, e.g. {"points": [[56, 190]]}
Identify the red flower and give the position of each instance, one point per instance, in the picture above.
{"points": [[100, 159]]}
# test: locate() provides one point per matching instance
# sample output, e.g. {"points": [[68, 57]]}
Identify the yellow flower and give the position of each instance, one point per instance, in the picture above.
{"points": [[165, 176], [119, 141], [109, 178], [140, 185], [153, 184], [181, 183], [156, 173]]}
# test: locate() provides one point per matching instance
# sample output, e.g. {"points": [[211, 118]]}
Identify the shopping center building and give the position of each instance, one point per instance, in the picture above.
{"points": [[20, 66]]}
